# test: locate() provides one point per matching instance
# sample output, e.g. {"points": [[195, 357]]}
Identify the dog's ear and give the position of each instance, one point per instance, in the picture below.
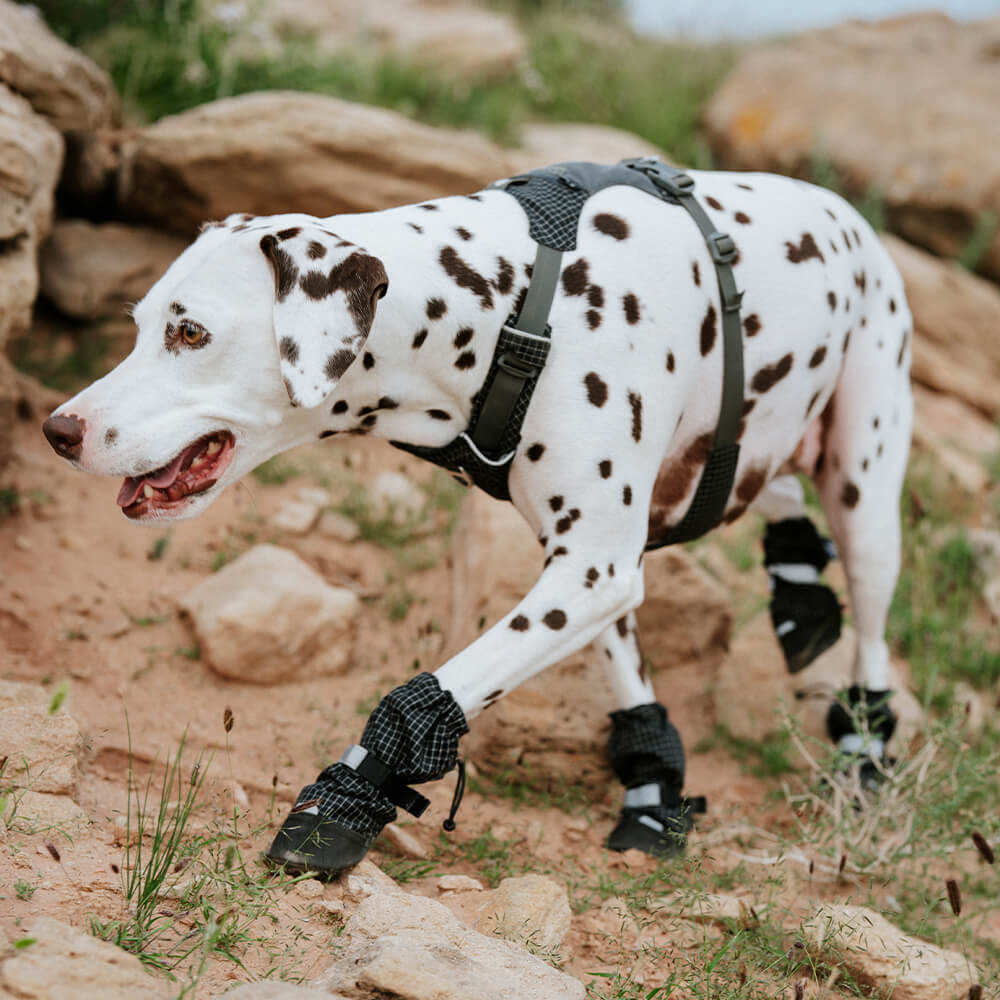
{"points": [[325, 293]]}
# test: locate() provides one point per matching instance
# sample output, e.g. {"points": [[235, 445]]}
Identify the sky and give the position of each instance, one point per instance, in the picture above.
{"points": [[713, 19]]}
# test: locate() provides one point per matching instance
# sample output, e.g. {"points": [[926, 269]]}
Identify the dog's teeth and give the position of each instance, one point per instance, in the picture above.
{"points": [[147, 491], [213, 447]]}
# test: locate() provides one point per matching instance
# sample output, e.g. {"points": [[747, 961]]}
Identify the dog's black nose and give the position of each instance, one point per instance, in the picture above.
{"points": [[65, 434]]}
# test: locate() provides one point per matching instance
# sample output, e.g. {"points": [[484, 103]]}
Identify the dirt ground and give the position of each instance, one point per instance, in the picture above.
{"points": [[88, 599]]}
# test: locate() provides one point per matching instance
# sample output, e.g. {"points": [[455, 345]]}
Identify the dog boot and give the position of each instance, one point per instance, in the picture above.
{"points": [[861, 728], [805, 613], [646, 754], [411, 737]]}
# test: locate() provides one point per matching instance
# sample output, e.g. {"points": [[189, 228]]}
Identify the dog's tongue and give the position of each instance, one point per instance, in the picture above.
{"points": [[161, 478]]}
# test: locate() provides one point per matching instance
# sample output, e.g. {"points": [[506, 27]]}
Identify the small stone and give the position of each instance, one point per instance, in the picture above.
{"points": [[296, 517], [459, 883], [315, 495], [332, 907], [23, 543], [405, 842], [41, 812], [41, 748], [397, 496], [333, 524], [311, 888], [530, 909]]}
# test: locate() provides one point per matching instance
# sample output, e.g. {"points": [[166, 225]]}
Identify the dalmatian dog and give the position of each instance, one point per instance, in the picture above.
{"points": [[270, 332]]}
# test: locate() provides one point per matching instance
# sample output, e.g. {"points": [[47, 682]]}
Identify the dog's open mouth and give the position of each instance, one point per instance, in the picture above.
{"points": [[196, 469]]}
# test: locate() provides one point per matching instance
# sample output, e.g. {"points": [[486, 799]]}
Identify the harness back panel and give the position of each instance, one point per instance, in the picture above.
{"points": [[553, 199]]}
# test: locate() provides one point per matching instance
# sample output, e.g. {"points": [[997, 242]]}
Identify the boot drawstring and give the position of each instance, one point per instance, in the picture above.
{"points": [[456, 799]]}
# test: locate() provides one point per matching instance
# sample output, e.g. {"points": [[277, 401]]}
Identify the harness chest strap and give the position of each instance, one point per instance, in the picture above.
{"points": [[553, 199]]}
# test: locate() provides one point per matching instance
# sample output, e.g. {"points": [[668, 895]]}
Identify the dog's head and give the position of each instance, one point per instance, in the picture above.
{"points": [[250, 329]]}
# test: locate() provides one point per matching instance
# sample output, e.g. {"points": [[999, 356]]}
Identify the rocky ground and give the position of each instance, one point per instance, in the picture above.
{"points": [[125, 667]]}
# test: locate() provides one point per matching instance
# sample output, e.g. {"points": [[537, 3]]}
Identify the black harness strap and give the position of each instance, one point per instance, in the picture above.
{"points": [[553, 199]]}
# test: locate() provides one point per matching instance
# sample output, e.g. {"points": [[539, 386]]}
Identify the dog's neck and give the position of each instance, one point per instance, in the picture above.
{"points": [[435, 332]]}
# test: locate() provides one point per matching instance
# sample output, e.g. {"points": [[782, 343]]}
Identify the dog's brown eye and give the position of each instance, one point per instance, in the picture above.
{"points": [[191, 333]]}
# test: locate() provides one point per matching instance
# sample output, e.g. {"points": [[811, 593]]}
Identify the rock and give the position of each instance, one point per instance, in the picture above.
{"points": [[65, 962], [61, 83], [459, 883], [41, 748], [405, 842], [41, 812], [278, 991], [396, 496], [18, 693], [836, 94], [972, 708], [754, 692], [530, 909], [955, 314], [686, 616], [414, 948], [267, 617], [960, 438], [29, 170], [706, 907], [543, 143], [295, 516], [88, 271], [310, 888], [310, 153], [883, 958], [333, 524]]}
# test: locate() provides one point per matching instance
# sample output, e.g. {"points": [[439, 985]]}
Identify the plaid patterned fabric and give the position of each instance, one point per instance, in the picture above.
{"points": [[552, 206], [644, 747], [415, 730]]}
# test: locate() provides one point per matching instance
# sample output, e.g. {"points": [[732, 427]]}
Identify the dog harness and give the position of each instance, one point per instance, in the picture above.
{"points": [[553, 198]]}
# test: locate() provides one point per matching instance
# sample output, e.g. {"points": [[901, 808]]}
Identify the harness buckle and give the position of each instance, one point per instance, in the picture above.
{"points": [[721, 247], [517, 366]]}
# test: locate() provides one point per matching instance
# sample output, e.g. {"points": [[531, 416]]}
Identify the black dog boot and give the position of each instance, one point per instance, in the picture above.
{"points": [[411, 737], [646, 754], [805, 613], [861, 728]]}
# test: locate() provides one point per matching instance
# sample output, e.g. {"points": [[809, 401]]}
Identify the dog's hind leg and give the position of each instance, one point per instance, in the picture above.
{"points": [[865, 448], [644, 750], [805, 612]]}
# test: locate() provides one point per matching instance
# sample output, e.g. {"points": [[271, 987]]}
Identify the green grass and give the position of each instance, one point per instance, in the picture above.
{"points": [[169, 55], [767, 759], [276, 471], [67, 372], [24, 890]]}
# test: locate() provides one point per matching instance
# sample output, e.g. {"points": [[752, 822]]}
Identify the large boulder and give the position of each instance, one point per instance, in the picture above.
{"points": [[61, 83], [956, 316], [89, 271], [907, 106], [268, 617], [31, 153], [278, 151]]}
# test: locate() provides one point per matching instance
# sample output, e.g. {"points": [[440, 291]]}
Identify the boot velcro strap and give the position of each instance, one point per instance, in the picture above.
{"points": [[381, 775]]}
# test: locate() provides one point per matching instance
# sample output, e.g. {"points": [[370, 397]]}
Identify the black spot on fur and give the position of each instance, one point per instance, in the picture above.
{"points": [[466, 276], [817, 358], [627, 495], [289, 350], [418, 339], [340, 406], [415, 227], [805, 250], [593, 575], [902, 349], [770, 375], [892, 305], [635, 402], [463, 336], [535, 452], [575, 278], [714, 203], [436, 308], [555, 619], [315, 250], [597, 389], [850, 495], [696, 271], [289, 234], [286, 274], [708, 331], [631, 306], [520, 623], [555, 504], [428, 208], [746, 187], [621, 625], [671, 362], [752, 325], [336, 365], [326, 434], [505, 276], [387, 403], [605, 468], [466, 360], [742, 218], [593, 319], [595, 296], [360, 276], [611, 225], [368, 360], [463, 233], [370, 420], [177, 309], [831, 298], [110, 436], [439, 415]]}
